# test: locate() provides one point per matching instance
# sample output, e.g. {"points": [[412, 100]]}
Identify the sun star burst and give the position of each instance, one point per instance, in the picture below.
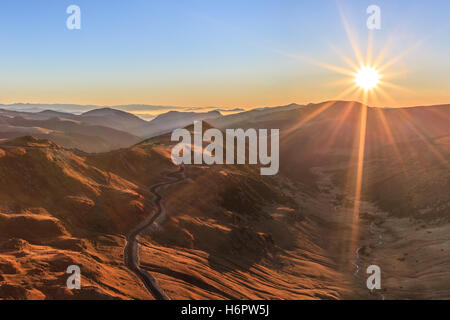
{"points": [[367, 78]]}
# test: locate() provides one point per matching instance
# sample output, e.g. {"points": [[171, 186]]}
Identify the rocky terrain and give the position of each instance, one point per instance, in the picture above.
{"points": [[225, 231]]}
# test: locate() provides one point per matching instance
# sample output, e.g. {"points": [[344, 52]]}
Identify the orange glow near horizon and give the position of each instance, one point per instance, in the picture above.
{"points": [[365, 78]]}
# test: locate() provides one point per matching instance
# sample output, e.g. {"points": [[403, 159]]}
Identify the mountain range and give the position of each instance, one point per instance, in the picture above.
{"points": [[97, 130], [224, 231]]}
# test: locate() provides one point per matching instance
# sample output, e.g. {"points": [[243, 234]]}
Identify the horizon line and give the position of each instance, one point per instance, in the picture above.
{"points": [[218, 107]]}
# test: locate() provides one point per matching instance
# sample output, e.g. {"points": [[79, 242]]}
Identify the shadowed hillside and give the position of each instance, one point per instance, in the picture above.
{"points": [[225, 231]]}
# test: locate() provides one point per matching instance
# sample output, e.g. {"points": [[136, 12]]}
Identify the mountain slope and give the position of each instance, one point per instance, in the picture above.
{"points": [[174, 119], [67, 132], [60, 208], [118, 120], [55, 211], [225, 231]]}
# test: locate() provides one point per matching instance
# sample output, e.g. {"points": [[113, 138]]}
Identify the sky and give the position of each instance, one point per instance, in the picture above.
{"points": [[222, 53]]}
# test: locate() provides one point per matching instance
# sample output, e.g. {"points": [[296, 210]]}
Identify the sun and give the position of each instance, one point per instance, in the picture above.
{"points": [[367, 78]]}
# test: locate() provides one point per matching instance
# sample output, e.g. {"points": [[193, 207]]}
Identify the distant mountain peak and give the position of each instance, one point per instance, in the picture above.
{"points": [[105, 110], [180, 115]]}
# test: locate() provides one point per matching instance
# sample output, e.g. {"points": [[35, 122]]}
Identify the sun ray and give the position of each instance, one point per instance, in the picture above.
{"points": [[351, 37], [369, 77], [324, 65], [317, 112], [390, 137], [385, 95], [327, 66], [424, 138], [399, 57], [377, 96], [395, 86], [360, 160], [384, 50], [369, 49], [340, 123], [441, 114], [347, 60]]}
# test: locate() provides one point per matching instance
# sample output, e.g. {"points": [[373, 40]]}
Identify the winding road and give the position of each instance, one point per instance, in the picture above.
{"points": [[131, 251]]}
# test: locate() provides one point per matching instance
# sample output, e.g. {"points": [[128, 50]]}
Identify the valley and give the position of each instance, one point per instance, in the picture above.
{"points": [[141, 227]]}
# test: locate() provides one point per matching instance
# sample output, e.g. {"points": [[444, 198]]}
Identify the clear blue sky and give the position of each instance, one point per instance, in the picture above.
{"points": [[200, 53]]}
